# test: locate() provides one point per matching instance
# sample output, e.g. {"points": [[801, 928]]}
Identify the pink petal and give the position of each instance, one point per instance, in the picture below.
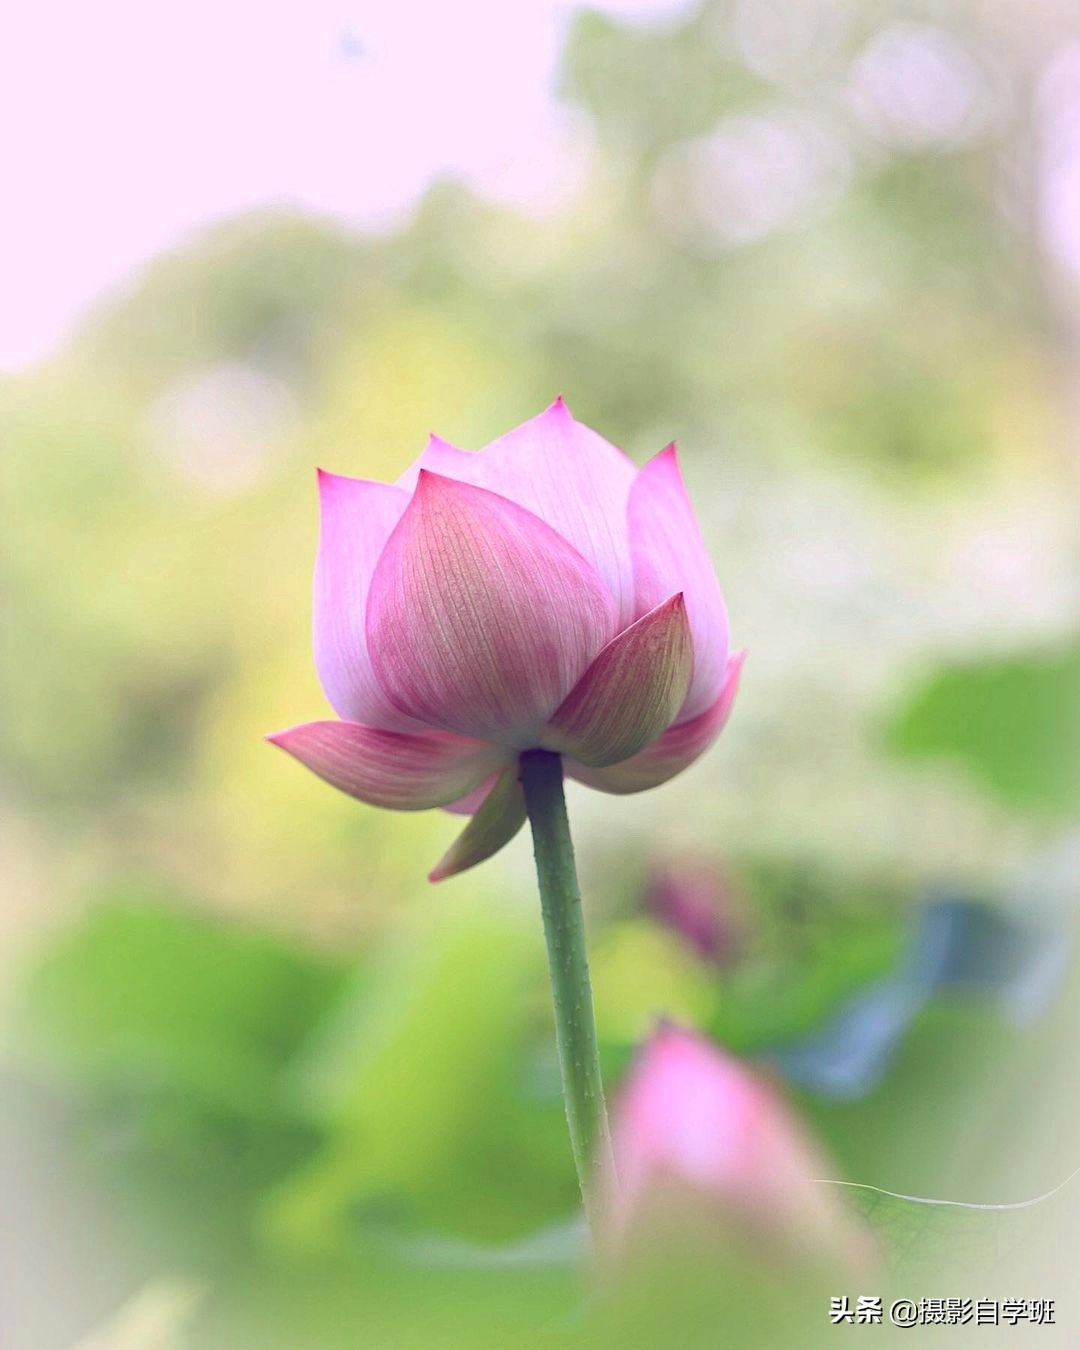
{"points": [[390, 768], [579, 483], [691, 1114], [494, 824], [670, 753], [441, 457], [357, 518], [472, 801], [669, 555], [630, 693], [481, 618]]}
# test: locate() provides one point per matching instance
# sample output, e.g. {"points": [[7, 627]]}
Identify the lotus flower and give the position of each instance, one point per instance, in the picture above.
{"points": [[695, 1126], [541, 593]]}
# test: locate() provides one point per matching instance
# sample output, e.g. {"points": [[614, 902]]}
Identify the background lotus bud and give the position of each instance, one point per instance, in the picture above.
{"points": [[540, 594], [695, 899], [698, 1138]]}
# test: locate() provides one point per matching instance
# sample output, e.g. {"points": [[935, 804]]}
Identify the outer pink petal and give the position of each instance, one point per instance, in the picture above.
{"points": [[357, 518], [481, 618], [441, 457], [670, 753], [578, 483], [472, 801], [499, 818], [670, 555], [389, 768], [630, 693]]}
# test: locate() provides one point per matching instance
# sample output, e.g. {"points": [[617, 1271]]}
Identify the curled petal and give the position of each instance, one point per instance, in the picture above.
{"points": [[670, 753], [669, 555], [356, 519], [401, 771], [495, 823], [631, 692], [576, 481], [481, 618]]}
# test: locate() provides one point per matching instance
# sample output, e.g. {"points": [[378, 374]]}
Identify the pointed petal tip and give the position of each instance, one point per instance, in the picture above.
{"points": [[664, 1032], [426, 481], [328, 481], [430, 484], [558, 408], [288, 737], [666, 458], [495, 823], [399, 771]]}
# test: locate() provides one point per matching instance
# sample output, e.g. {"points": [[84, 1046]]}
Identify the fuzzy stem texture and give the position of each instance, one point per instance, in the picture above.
{"points": [[564, 930]]}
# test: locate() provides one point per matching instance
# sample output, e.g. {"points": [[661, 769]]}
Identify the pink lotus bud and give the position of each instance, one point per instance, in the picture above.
{"points": [[696, 1133], [541, 593], [693, 898]]}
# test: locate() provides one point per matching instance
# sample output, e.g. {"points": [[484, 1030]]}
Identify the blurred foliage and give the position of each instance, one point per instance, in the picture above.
{"points": [[390, 1140], [279, 1068], [143, 993], [1012, 722]]}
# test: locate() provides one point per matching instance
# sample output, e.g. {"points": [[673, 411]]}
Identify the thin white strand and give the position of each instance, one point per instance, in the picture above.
{"points": [[955, 1204]]}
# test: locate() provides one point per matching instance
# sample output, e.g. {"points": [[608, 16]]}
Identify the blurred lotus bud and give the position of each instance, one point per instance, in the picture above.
{"points": [[703, 1145], [694, 899]]}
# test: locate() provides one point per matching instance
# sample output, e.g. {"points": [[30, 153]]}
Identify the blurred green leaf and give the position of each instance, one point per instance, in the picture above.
{"points": [[421, 1083], [923, 1239], [143, 992], [764, 1006], [1013, 723]]}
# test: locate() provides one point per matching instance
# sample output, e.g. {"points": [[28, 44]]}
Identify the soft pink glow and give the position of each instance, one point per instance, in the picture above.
{"points": [[916, 86], [693, 898], [1058, 109], [692, 1120], [753, 175], [127, 126]]}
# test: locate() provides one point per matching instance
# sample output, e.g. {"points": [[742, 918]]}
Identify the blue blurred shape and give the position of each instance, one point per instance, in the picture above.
{"points": [[962, 946], [959, 947], [351, 46], [850, 1055]]}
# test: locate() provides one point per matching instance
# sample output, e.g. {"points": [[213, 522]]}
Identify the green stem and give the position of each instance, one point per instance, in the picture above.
{"points": [[564, 930]]}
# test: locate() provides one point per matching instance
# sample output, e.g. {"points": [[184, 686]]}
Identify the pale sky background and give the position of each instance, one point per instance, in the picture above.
{"points": [[126, 125]]}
